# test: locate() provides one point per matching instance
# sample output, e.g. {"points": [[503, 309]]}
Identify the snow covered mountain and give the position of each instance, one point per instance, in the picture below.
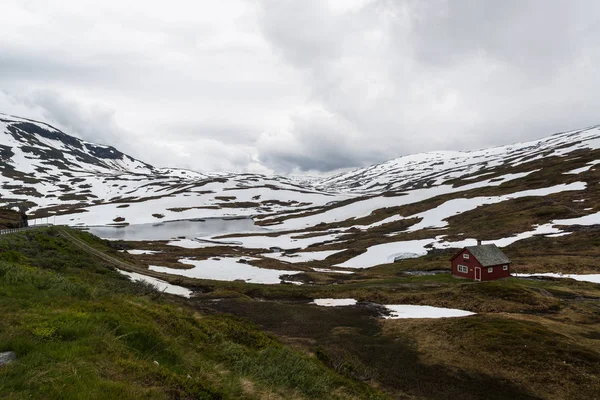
{"points": [[433, 168], [89, 184], [57, 174], [26, 140]]}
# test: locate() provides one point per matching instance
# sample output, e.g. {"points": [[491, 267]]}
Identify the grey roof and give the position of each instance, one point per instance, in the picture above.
{"points": [[488, 255]]}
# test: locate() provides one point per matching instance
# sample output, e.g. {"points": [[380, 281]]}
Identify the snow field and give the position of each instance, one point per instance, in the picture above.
{"points": [[225, 269], [401, 311], [159, 284]]}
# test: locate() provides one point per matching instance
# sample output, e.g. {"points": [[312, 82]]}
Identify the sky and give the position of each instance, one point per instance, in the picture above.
{"points": [[300, 86]]}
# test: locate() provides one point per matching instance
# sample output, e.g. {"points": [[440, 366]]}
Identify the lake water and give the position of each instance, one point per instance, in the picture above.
{"points": [[174, 229]]}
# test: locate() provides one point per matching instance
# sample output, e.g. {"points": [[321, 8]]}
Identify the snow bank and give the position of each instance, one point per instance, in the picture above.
{"points": [[225, 269], [594, 278], [159, 284], [591, 219], [302, 257], [335, 271], [285, 241], [410, 311], [140, 252], [386, 253], [334, 302]]}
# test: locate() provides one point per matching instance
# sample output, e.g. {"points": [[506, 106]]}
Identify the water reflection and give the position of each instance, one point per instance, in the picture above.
{"points": [[174, 229]]}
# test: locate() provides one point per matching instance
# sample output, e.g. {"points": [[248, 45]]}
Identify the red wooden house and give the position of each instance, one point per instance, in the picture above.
{"points": [[481, 263]]}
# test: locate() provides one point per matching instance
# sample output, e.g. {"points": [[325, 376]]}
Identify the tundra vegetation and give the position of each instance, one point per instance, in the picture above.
{"points": [[81, 330]]}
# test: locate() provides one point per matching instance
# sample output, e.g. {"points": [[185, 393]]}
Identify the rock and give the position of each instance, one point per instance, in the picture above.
{"points": [[7, 357]]}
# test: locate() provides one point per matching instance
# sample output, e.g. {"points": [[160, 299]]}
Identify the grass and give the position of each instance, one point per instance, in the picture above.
{"points": [[78, 327], [9, 219], [80, 330], [528, 353]]}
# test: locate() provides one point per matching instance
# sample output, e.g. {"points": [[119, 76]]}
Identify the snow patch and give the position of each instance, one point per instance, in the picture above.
{"points": [[140, 252], [400, 311], [594, 278], [161, 285], [302, 257], [334, 302], [226, 269], [335, 271], [386, 253]]}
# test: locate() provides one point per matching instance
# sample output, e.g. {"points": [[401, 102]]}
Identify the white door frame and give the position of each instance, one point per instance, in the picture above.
{"points": [[478, 269]]}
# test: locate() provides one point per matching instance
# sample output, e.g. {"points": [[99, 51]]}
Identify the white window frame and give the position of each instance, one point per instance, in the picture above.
{"points": [[466, 256], [490, 270], [505, 268], [462, 268]]}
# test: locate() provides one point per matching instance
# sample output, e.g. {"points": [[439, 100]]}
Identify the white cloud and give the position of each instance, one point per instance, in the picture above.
{"points": [[292, 85]]}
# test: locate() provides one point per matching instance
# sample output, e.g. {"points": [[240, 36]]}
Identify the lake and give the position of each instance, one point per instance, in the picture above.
{"points": [[173, 229]]}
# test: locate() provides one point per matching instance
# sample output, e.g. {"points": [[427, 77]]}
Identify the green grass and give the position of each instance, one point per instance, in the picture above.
{"points": [[81, 331]]}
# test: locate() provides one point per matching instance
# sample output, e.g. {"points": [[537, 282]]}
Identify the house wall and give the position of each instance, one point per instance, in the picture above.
{"points": [[471, 263], [497, 273]]}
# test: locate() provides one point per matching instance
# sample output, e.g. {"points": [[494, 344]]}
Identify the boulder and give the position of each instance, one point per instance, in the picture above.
{"points": [[7, 357]]}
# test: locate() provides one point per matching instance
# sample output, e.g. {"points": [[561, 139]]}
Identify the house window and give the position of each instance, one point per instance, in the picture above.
{"points": [[490, 270], [505, 268], [463, 268], [466, 256]]}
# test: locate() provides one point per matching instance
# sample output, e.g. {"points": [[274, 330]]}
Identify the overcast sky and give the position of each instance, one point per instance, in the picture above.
{"points": [[300, 85]]}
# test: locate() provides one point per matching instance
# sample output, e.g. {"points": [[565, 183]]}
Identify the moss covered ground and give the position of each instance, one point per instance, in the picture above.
{"points": [[82, 331]]}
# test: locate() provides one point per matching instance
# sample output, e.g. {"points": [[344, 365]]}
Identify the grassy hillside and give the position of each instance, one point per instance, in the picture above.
{"points": [[82, 331], [531, 339], [9, 219]]}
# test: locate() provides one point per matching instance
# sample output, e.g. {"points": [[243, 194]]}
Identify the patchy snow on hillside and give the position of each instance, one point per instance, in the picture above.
{"points": [[160, 285], [363, 208], [387, 253], [594, 278], [283, 241], [440, 166], [301, 256], [225, 269], [591, 219], [435, 218]]}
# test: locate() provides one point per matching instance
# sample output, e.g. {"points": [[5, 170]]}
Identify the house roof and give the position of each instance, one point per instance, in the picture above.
{"points": [[488, 254]]}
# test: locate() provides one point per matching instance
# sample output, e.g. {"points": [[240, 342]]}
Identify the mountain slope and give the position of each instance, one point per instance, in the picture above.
{"points": [[427, 169], [83, 183], [57, 174]]}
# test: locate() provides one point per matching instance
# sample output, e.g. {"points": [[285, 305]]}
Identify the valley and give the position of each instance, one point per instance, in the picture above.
{"points": [[265, 251]]}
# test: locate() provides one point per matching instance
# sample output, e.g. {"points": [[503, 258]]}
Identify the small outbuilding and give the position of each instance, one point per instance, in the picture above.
{"points": [[481, 263]]}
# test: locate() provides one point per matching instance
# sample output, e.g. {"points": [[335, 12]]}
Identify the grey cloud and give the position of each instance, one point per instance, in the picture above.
{"points": [[412, 76], [317, 141], [94, 124], [302, 85], [535, 36], [301, 31], [232, 132]]}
